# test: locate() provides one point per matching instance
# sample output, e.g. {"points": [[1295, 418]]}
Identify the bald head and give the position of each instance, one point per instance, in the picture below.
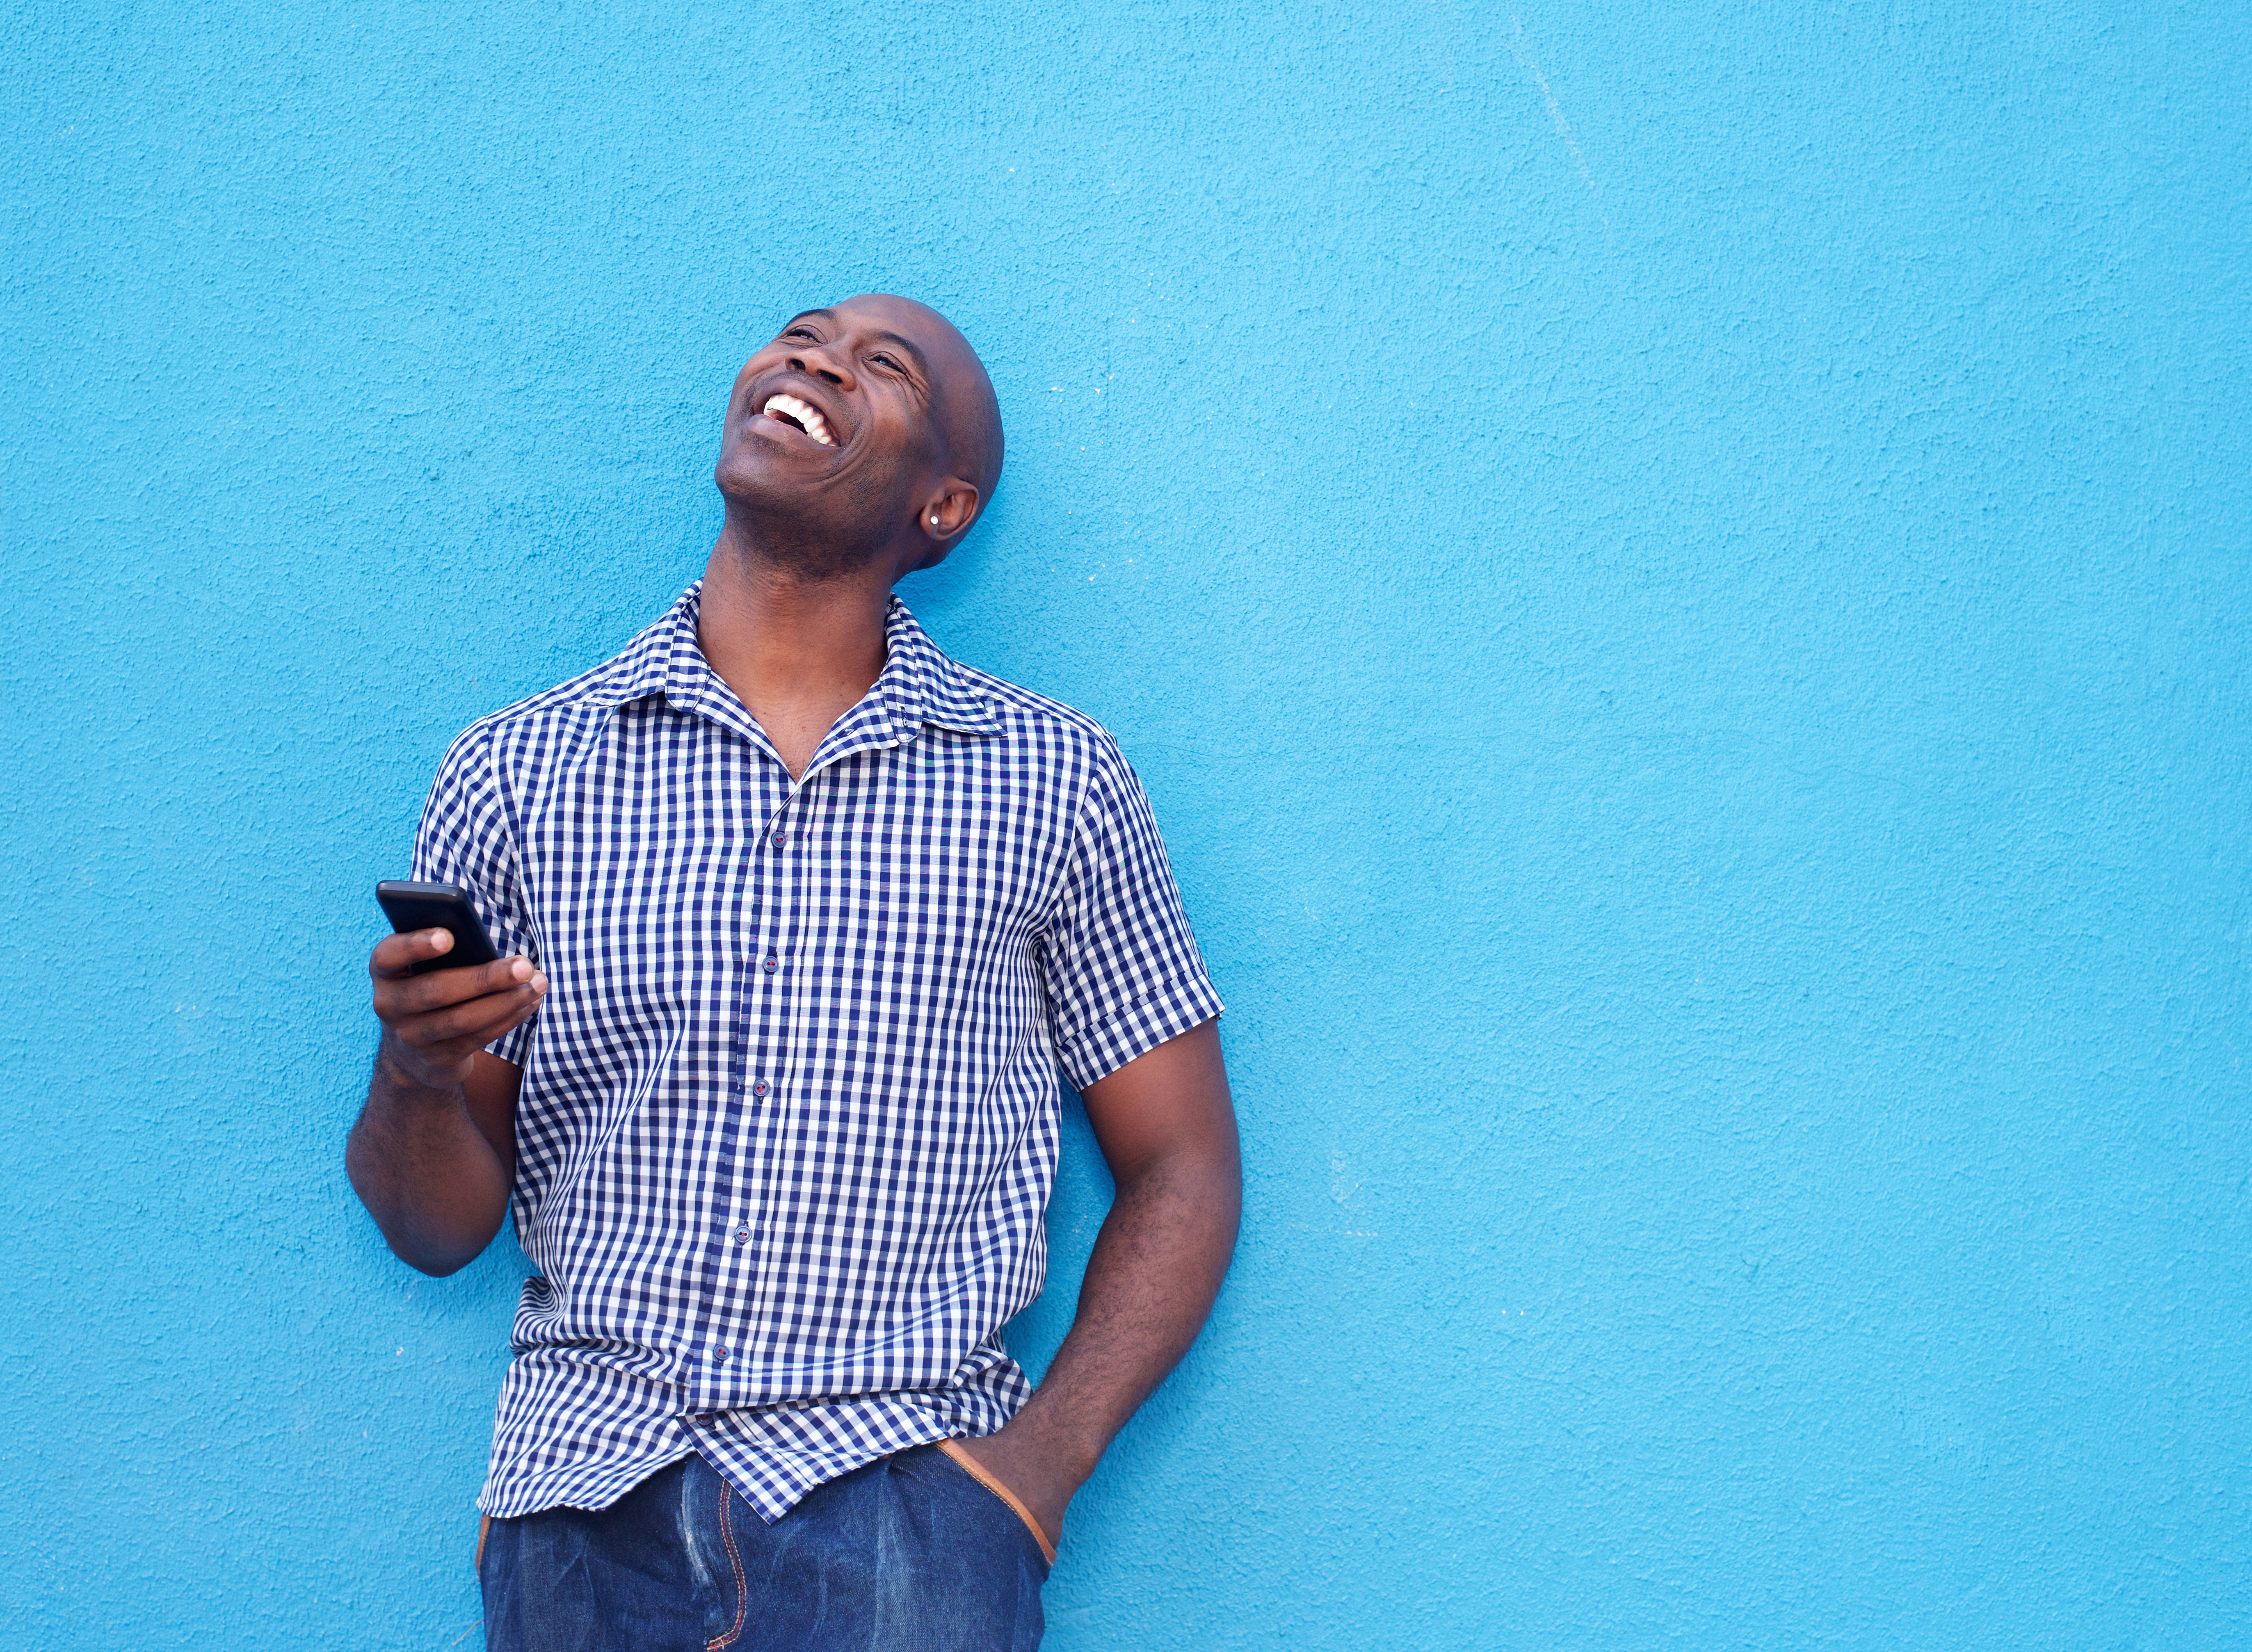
{"points": [[866, 432], [965, 413]]}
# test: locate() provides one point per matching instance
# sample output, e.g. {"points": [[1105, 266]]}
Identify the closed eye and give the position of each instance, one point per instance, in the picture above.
{"points": [[888, 361]]}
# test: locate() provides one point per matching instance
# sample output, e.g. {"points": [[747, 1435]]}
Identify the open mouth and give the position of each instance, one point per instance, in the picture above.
{"points": [[799, 415]]}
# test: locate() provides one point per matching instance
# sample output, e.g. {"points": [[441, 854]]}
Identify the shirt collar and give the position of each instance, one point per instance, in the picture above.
{"points": [[646, 667], [918, 684]]}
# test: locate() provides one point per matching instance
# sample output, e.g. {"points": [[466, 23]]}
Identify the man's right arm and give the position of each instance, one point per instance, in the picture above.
{"points": [[433, 1154]]}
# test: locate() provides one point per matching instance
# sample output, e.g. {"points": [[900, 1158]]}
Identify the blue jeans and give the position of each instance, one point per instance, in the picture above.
{"points": [[906, 1554]]}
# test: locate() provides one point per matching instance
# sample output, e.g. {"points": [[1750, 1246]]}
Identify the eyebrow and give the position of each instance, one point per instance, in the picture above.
{"points": [[908, 345], [922, 363]]}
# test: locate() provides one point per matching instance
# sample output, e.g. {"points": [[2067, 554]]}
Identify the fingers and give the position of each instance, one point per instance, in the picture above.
{"points": [[441, 1019], [395, 954], [436, 1047], [456, 1011], [416, 995], [461, 1028]]}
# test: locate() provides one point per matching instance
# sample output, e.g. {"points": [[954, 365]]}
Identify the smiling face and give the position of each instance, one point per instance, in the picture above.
{"points": [[866, 430]]}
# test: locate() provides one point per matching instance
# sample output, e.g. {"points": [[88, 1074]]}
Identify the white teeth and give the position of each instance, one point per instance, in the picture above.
{"points": [[804, 413]]}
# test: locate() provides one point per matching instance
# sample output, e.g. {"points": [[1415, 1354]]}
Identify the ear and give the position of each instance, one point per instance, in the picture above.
{"points": [[946, 515]]}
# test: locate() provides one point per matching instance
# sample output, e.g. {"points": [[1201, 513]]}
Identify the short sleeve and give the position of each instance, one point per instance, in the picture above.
{"points": [[1120, 968], [465, 839]]}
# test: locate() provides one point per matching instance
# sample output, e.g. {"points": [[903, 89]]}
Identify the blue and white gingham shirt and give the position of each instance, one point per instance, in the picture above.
{"points": [[789, 1118]]}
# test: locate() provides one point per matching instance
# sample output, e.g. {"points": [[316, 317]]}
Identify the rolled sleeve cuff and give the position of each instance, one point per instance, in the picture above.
{"points": [[513, 1045], [1103, 1049]]}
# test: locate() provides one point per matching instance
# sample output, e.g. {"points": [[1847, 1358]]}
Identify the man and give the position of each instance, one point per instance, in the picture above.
{"points": [[801, 918]]}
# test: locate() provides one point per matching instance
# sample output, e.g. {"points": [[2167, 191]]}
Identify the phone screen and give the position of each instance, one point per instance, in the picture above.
{"points": [[412, 907]]}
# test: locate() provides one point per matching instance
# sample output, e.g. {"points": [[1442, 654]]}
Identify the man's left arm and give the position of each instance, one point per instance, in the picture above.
{"points": [[1167, 1128]]}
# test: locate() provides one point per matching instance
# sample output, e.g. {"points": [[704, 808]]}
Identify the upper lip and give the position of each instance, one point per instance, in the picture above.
{"points": [[820, 398]]}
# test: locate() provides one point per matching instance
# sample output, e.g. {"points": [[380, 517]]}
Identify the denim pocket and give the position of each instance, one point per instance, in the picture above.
{"points": [[727, 1636], [977, 1471]]}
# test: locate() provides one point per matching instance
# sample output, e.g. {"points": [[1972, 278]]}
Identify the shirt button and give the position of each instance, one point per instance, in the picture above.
{"points": [[760, 1088], [742, 1236], [718, 1353], [773, 964], [780, 838]]}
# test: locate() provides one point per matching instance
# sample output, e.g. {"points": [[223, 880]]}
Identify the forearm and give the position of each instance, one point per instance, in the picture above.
{"points": [[1156, 1270], [434, 1183]]}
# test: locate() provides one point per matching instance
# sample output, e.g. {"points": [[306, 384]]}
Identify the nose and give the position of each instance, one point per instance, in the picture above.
{"points": [[817, 363]]}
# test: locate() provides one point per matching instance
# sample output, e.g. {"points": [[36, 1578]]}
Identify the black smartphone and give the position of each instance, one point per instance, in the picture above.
{"points": [[438, 906]]}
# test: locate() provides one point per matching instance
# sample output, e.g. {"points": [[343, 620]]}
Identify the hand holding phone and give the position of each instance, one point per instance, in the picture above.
{"points": [[441, 990]]}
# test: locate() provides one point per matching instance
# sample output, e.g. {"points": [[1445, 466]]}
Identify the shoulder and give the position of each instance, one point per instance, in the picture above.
{"points": [[1071, 753], [540, 726], [591, 690], [1020, 710], [1074, 748]]}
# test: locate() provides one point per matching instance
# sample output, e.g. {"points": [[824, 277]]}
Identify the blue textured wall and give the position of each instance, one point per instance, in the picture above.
{"points": [[1678, 575]]}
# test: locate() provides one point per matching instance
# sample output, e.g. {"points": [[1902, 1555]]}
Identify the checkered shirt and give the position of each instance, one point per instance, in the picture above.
{"points": [[789, 1111]]}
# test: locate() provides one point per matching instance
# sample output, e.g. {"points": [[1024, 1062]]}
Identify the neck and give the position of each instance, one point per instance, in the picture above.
{"points": [[799, 652]]}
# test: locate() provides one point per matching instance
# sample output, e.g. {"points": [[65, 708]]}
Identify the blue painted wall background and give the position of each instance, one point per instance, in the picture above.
{"points": [[1678, 575]]}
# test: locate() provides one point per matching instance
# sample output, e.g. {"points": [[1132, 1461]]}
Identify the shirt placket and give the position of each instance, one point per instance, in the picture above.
{"points": [[759, 1147], [758, 1156]]}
